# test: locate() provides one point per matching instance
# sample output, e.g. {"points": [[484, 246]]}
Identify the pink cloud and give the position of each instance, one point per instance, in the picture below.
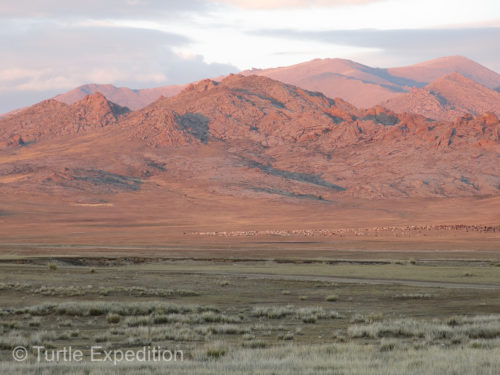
{"points": [[275, 4]]}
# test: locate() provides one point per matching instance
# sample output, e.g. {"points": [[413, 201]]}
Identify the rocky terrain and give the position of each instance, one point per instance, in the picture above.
{"points": [[52, 118], [247, 147], [269, 138], [447, 98], [366, 86]]}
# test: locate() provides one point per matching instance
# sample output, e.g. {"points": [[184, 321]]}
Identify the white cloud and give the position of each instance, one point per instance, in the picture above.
{"points": [[47, 79], [407, 46]]}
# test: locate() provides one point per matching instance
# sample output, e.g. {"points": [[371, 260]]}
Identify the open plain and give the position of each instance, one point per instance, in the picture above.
{"points": [[249, 226], [265, 308]]}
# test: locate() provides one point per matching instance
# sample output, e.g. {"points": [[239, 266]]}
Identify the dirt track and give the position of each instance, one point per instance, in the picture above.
{"points": [[359, 280]]}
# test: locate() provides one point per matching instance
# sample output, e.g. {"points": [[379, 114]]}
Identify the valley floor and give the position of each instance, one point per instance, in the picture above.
{"points": [[267, 311]]}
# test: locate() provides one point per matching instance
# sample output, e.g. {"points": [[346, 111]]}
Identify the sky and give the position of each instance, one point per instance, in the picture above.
{"points": [[51, 46]]}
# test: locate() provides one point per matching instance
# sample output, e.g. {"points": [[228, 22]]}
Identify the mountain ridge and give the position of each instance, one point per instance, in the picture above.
{"points": [[432, 70], [447, 98], [250, 136], [124, 96], [359, 84], [30, 124]]}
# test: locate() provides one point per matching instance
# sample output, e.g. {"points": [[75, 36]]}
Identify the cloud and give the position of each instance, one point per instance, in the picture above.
{"points": [[47, 58], [277, 4], [412, 45], [129, 9], [141, 9]]}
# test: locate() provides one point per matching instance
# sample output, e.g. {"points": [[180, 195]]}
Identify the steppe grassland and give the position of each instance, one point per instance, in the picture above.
{"points": [[242, 317]]}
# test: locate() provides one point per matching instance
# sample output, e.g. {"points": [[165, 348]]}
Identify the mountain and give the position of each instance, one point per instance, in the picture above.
{"points": [[247, 153], [133, 99], [366, 86], [447, 98], [251, 136], [429, 71], [52, 118], [10, 113], [359, 84], [256, 108]]}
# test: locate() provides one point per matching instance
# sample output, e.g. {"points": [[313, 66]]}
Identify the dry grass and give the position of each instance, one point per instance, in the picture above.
{"points": [[91, 290], [98, 308], [240, 325], [455, 330], [345, 359], [280, 312]]}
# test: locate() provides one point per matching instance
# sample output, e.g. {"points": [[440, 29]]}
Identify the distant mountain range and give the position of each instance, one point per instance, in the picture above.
{"points": [[248, 152], [447, 98], [248, 137], [365, 86], [133, 99], [431, 89]]}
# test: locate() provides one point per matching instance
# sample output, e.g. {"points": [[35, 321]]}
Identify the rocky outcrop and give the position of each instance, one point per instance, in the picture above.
{"points": [[51, 118], [251, 136], [447, 98]]}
